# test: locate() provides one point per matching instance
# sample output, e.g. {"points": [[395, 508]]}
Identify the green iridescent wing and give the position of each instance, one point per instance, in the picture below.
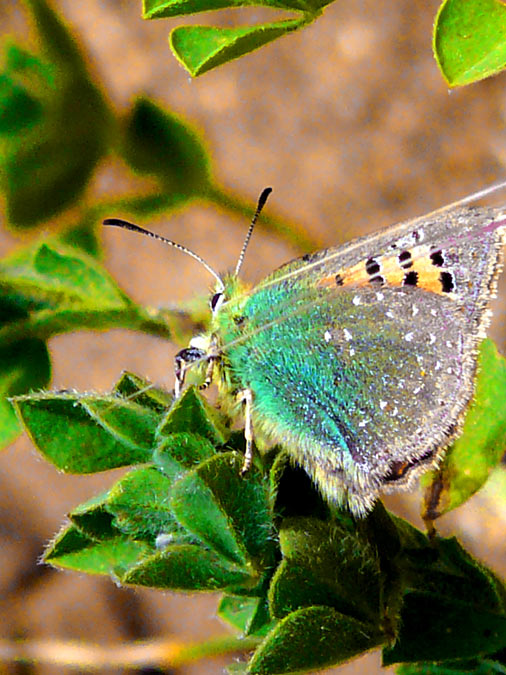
{"points": [[365, 383]]}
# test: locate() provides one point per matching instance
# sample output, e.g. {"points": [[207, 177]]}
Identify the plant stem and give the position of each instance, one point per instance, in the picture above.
{"points": [[155, 653]]}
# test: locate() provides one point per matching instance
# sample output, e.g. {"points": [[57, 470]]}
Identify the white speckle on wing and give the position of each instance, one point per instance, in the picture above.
{"points": [[432, 338], [415, 310], [408, 337], [348, 336], [380, 296]]}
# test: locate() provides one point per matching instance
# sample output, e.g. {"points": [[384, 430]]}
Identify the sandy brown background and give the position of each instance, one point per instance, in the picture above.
{"points": [[353, 126]]}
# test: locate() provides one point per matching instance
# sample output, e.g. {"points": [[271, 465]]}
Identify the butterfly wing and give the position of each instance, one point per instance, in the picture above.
{"points": [[361, 375]]}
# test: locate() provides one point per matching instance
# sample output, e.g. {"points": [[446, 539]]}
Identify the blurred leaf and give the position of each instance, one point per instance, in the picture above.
{"points": [[458, 667], [202, 48], [470, 40], [248, 615], [83, 235], [73, 550], [436, 628], [480, 446], [24, 366], [18, 109], [58, 132], [56, 289], [310, 639], [86, 434], [160, 144]]}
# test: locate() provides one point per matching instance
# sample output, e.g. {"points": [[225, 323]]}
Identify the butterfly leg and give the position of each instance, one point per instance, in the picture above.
{"points": [[246, 397], [209, 373], [182, 362]]}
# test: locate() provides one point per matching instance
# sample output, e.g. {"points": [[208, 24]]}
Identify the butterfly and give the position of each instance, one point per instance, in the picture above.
{"points": [[358, 360]]}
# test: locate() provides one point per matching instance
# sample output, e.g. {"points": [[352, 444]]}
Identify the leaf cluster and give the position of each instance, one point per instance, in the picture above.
{"points": [[469, 39], [313, 586]]}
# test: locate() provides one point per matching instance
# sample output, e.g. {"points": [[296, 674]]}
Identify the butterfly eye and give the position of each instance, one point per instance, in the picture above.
{"points": [[216, 301]]}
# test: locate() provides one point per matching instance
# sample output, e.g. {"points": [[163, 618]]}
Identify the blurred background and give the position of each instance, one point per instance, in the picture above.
{"points": [[352, 125]]}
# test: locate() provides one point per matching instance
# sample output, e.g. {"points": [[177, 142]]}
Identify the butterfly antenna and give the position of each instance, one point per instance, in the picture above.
{"points": [[117, 222], [261, 203]]}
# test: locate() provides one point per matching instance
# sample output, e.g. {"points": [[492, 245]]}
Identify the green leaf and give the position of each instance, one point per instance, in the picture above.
{"points": [[48, 160], [459, 667], [140, 504], [84, 236], [480, 447], [191, 413], [135, 388], [436, 628], [161, 144], [202, 48], [325, 564], [86, 434], [447, 570], [228, 512], [51, 289], [158, 9], [310, 639], [179, 453], [470, 40], [18, 108], [74, 550], [49, 274], [92, 519], [248, 615], [24, 366], [186, 567]]}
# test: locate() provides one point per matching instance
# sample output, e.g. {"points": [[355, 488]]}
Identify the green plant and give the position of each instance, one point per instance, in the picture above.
{"points": [[469, 35], [306, 586]]}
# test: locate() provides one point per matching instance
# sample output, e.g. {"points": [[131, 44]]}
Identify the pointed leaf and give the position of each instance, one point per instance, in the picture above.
{"points": [[158, 9], [48, 288], [85, 434], [480, 446], [227, 511], [73, 550], [50, 274], [310, 639], [92, 519], [470, 40], [179, 453], [186, 567], [191, 413], [145, 394], [324, 564], [247, 615], [202, 48], [140, 504]]}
